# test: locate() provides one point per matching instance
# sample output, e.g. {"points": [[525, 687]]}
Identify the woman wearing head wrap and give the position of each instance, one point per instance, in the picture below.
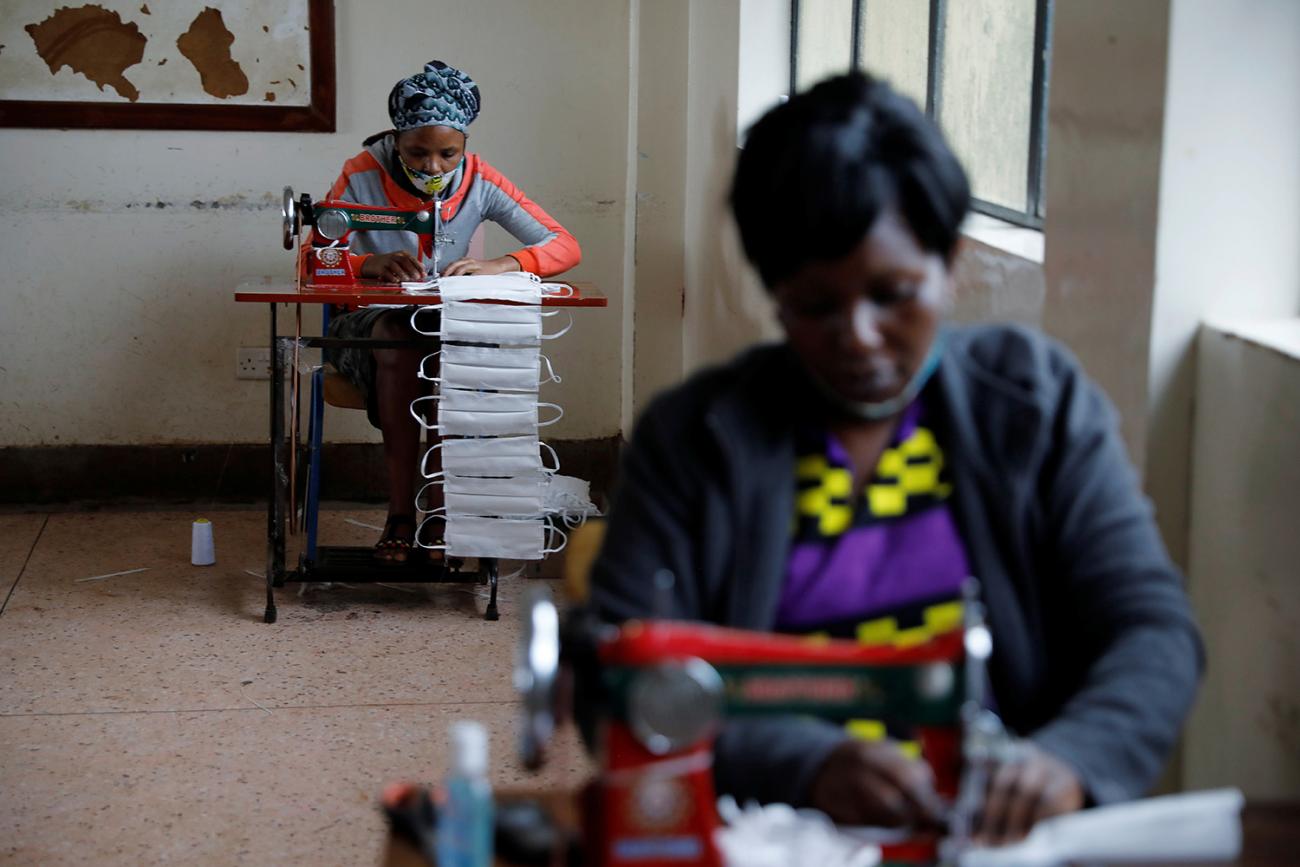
{"points": [[421, 160]]}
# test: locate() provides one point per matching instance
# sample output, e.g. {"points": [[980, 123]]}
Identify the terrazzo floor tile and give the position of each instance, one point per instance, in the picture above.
{"points": [[232, 787], [180, 637], [152, 717], [18, 533]]}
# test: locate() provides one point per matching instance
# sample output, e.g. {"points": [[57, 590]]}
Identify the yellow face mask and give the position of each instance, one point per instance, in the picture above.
{"points": [[430, 184]]}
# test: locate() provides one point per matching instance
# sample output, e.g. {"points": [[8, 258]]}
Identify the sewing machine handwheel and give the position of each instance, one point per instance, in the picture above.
{"points": [[537, 666], [292, 218]]}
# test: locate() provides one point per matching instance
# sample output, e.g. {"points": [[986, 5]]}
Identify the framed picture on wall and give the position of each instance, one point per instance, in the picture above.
{"points": [[168, 64]]}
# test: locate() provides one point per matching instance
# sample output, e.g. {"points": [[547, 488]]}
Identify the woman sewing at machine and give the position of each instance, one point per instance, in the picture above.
{"points": [[849, 479], [421, 160]]}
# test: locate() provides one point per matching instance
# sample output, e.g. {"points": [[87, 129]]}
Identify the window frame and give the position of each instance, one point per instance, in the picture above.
{"points": [[1035, 187]]}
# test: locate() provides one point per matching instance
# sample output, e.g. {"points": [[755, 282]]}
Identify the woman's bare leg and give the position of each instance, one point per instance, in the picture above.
{"points": [[396, 385]]}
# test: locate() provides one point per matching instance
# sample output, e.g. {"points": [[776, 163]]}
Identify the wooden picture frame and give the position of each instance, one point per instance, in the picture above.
{"points": [[317, 116]]}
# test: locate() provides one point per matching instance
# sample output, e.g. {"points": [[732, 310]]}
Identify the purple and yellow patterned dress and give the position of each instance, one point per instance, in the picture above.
{"points": [[887, 568]]}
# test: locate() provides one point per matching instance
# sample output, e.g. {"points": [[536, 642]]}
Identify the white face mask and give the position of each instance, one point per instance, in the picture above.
{"points": [[469, 322], [518, 286], [510, 538], [487, 402], [480, 413], [489, 367], [515, 497], [493, 456]]}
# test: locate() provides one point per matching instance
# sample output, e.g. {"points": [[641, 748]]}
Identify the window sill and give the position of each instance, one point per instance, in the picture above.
{"points": [[1027, 244], [1281, 335]]}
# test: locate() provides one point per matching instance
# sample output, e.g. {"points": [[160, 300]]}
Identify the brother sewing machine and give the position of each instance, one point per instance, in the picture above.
{"points": [[662, 690], [333, 222]]}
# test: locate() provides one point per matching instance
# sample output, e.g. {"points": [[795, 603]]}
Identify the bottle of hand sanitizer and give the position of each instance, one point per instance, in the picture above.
{"points": [[465, 819]]}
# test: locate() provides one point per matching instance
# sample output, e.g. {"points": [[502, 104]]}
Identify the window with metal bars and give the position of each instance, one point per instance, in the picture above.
{"points": [[977, 67]]}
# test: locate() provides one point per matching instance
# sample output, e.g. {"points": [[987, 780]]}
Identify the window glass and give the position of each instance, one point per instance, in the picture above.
{"points": [[985, 94], [894, 43], [825, 40]]}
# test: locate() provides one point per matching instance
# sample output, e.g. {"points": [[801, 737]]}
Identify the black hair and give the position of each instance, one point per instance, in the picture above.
{"points": [[817, 171]]}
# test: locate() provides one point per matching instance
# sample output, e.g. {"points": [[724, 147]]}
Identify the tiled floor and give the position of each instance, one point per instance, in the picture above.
{"points": [[152, 718]]}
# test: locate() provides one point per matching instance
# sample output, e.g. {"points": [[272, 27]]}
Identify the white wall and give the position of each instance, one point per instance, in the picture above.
{"points": [[117, 323], [1244, 552], [663, 59], [726, 308], [1229, 209], [696, 301]]}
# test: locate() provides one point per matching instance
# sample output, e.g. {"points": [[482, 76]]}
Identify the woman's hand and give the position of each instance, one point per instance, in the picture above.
{"points": [[393, 267], [873, 783], [464, 267], [1022, 792]]}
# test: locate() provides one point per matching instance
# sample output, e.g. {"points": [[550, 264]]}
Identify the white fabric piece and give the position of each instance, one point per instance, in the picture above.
{"points": [[569, 498], [1174, 829], [490, 456], [417, 287], [778, 835]]}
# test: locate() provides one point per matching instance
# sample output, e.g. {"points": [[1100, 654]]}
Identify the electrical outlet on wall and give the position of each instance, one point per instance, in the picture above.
{"points": [[253, 362]]}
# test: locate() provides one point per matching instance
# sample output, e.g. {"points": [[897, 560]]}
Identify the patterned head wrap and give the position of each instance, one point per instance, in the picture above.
{"points": [[441, 95]]}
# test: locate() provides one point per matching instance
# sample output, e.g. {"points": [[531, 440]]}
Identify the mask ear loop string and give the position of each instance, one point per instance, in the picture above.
{"points": [[550, 369], [424, 363], [559, 415], [545, 468], [431, 516], [563, 331], [424, 463], [563, 535], [418, 417], [415, 314]]}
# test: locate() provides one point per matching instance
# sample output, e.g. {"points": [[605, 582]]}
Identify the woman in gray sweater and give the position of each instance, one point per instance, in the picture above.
{"points": [[847, 481]]}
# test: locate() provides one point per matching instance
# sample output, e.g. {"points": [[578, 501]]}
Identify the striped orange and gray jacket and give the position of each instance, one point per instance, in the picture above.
{"points": [[479, 192]]}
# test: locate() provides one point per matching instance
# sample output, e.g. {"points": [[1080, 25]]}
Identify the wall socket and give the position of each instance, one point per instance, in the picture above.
{"points": [[252, 362]]}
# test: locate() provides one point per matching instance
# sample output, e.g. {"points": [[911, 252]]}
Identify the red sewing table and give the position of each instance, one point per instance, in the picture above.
{"points": [[350, 564]]}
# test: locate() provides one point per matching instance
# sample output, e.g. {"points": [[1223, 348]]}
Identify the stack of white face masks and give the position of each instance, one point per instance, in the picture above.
{"points": [[488, 372]]}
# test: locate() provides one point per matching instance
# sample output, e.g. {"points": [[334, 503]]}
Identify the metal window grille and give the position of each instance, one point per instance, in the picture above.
{"points": [[1035, 193]]}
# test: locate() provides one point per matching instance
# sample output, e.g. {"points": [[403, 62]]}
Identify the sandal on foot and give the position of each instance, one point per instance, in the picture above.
{"points": [[394, 547]]}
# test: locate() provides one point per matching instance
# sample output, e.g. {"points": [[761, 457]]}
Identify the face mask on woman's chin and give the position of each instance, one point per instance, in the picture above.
{"points": [[890, 407], [431, 184]]}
